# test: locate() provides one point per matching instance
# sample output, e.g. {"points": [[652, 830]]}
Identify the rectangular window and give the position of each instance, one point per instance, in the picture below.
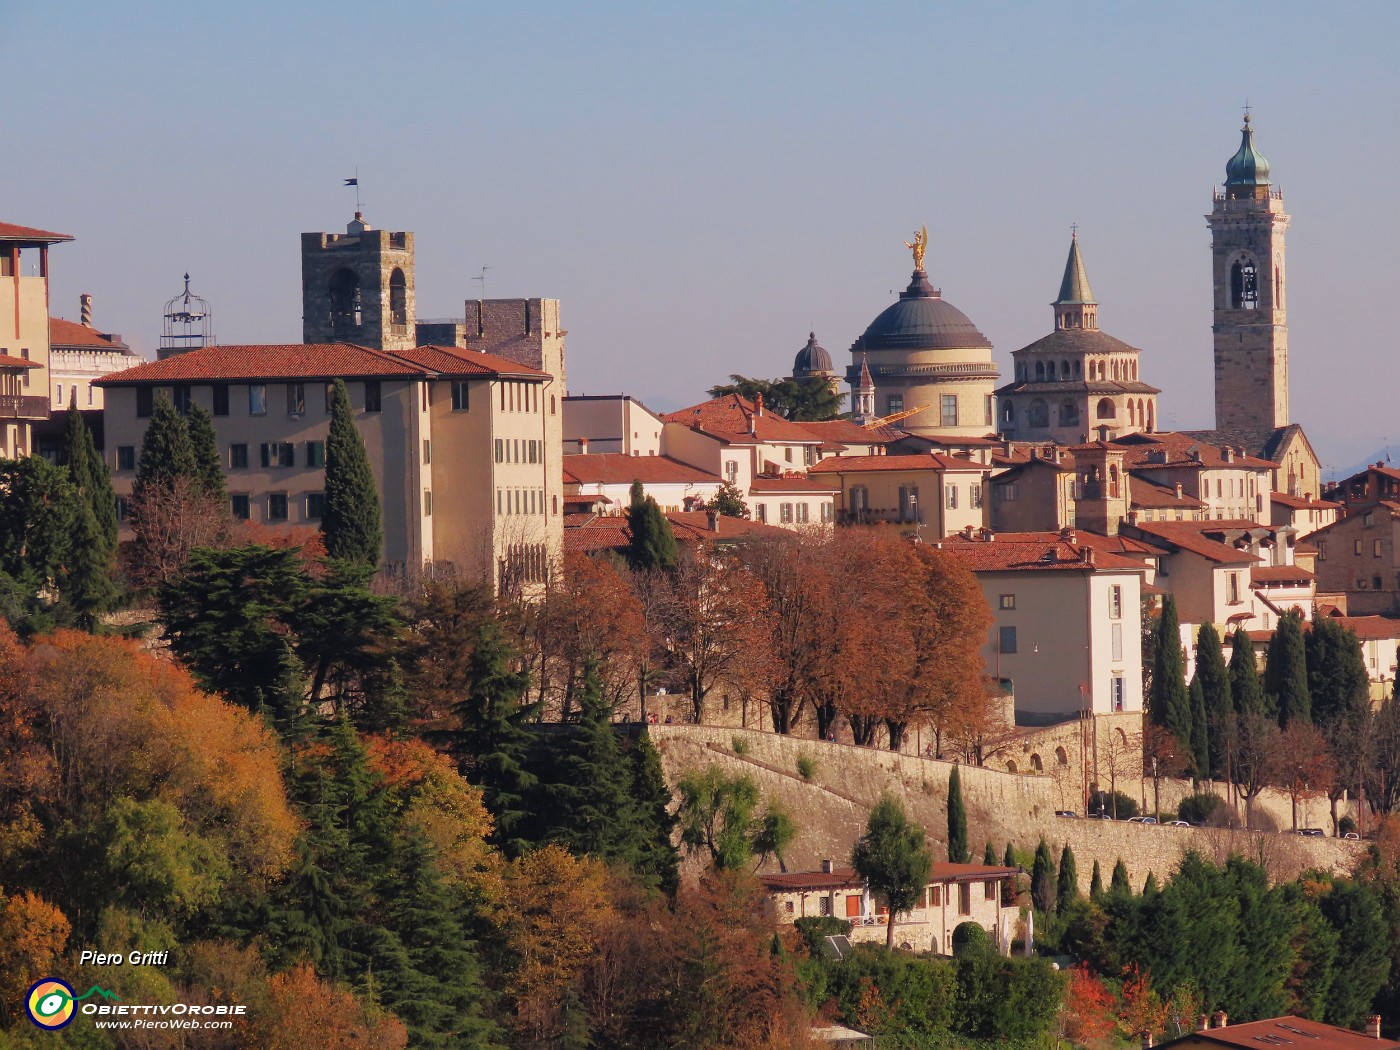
{"points": [[1234, 586], [329, 393], [218, 395], [785, 513], [296, 399], [315, 506], [802, 514], [427, 503], [1008, 492], [948, 409], [427, 450], [58, 395], [460, 398], [731, 470], [827, 513], [964, 898], [277, 506], [935, 896], [278, 454], [425, 396], [824, 905], [1006, 640], [760, 512], [1321, 550], [1115, 602], [1117, 692], [123, 508], [126, 457], [257, 399], [950, 496], [237, 457], [1116, 640], [1006, 601], [372, 395], [315, 453], [145, 401], [90, 393], [1356, 547], [240, 506], [853, 906], [989, 890], [894, 403], [500, 450], [974, 493], [1375, 548], [181, 397]]}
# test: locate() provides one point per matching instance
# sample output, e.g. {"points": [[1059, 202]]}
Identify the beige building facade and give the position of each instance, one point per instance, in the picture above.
{"points": [[24, 334]]}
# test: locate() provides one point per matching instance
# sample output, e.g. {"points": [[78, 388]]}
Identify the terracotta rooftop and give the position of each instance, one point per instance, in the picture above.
{"points": [[1011, 552], [70, 333], [7, 361], [1192, 536], [736, 418], [864, 464], [1151, 496], [846, 876], [1299, 503], [1280, 574], [589, 533], [1283, 1033], [1120, 544], [1143, 452], [1371, 628], [796, 484], [844, 432], [615, 468], [453, 360], [27, 234]]}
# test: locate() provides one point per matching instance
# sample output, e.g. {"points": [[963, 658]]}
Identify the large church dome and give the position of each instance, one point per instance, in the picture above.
{"points": [[921, 320]]}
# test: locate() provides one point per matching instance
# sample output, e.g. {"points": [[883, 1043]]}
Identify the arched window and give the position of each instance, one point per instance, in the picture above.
{"points": [[1040, 371], [1008, 413], [1151, 415], [1278, 283], [1069, 413], [1039, 415], [398, 298], [345, 302], [1113, 482], [1064, 369], [1131, 415], [1010, 766], [1106, 409], [1141, 417], [1061, 758], [1076, 369], [1035, 764], [1244, 284]]}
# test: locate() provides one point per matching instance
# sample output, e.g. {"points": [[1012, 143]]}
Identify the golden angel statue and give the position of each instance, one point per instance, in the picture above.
{"points": [[918, 245]]}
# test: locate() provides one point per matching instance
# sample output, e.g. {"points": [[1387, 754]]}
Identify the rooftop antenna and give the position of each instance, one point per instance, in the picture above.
{"points": [[482, 279], [356, 183]]}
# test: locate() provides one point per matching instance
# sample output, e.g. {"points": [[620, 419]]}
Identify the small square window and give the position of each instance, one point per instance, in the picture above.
{"points": [[1006, 601], [277, 506], [257, 399], [240, 506], [315, 453], [238, 457], [126, 457], [315, 506], [372, 395], [894, 403]]}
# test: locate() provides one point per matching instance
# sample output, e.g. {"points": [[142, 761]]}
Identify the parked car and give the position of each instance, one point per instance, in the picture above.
{"points": [[1353, 836], [1312, 833], [1142, 820], [1066, 813], [1177, 824]]}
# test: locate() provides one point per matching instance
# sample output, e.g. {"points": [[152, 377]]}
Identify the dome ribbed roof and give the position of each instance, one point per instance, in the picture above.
{"points": [[811, 358], [921, 320], [1248, 166]]}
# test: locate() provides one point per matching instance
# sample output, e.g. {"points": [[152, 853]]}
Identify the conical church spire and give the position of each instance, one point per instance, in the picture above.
{"points": [[1076, 306]]}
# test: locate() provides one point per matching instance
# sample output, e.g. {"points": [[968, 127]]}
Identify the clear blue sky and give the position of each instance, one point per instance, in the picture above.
{"points": [[702, 184]]}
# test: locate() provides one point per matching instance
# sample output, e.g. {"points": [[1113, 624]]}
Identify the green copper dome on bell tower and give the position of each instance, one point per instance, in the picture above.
{"points": [[1247, 168]]}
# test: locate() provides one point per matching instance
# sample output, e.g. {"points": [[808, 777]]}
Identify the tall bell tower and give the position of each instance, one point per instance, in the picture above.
{"points": [[357, 287], [1247, 226]]}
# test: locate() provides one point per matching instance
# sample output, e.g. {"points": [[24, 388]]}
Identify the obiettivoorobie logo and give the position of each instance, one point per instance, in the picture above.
{"points": [[52, 1004]]}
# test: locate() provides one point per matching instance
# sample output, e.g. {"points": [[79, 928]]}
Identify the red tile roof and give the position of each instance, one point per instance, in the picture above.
{"points": [[6, 361], [1008, 552], [762, 484], [1180, 450], [1371, 628], [27, 234], [1119, 544], [589, 533], [846, 877], [614, 468], [866, 464], [1190, 536], [1299, 503], [695, 525], [1151, 496], [69, 333], [1284, 1033], [1280, 574], [844, 432], [732, 417], [314, 361]]}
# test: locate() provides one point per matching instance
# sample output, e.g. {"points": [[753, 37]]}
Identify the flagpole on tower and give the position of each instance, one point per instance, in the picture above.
{"points": [[356, 183]]}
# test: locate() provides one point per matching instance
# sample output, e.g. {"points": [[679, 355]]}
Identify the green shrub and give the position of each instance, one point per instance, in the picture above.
{"points": [[970, 937], [1346, 826], [806, 766], [814, 929], [739, 744], [1203, 808], [1117, 805]]}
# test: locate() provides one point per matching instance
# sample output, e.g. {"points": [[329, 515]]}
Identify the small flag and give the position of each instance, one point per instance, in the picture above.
{"points": [[352, 182]]}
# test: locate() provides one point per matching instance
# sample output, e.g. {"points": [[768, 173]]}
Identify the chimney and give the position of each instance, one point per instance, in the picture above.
{"points": [[1067, 535], [85, 309], [712, 520], [1203, 1022], [1178, 490], [583, 446], [1373, 1026], [1221, 1018], [1087, 555], [1007, 447], [967, 531], [1146, 1040], [758, 404], [828, 865], [987, 535]]}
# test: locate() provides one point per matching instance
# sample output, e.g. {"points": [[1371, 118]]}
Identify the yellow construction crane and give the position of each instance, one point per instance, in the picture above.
{"points": [[895, 418]]}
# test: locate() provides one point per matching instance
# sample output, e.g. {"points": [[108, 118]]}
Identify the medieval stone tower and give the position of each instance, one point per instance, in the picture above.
{"points": [[1251, 321], [357, 287]]}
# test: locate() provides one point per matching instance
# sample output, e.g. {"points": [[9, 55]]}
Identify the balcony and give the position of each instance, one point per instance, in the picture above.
{"points": [[23, 406]]}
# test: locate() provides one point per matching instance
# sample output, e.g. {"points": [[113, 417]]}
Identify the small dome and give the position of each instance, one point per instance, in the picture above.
{"points": [[811, 359], [921, 320], [1248, 166]]}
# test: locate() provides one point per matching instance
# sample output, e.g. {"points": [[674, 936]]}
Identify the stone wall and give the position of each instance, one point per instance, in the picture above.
{"points": [[831, 808]]}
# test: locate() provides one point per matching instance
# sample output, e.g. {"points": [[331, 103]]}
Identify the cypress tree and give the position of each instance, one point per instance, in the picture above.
{"points": [[659, 862], [1218, 700], [1246, 690], [166, 451], [1096, 883], [989, 856], [1118, 881], [1286, 673], [1008, 859], [1149, 888], [205, 445], [1067, 885], [90, 474], [653, 544], [957, 821], [1043, 879], [1169, 703], [87, 587], [1200, 733], [1338, 683], [352, 524]]}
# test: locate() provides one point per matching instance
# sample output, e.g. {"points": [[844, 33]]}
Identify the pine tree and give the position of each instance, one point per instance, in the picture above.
{"points": [[659, 862], [352, 522], [1008, 859], [1286, 672], [892, 859], [166, 452], [1096, 883], [957, 821], [1118, 881], [1043, 882], [1246, 690], [1067, 885], [1200, 731], [1169, 703], [1218, 700], [88, 588], [205, 444], [90, 474], [989, 855], [653, 544]]}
